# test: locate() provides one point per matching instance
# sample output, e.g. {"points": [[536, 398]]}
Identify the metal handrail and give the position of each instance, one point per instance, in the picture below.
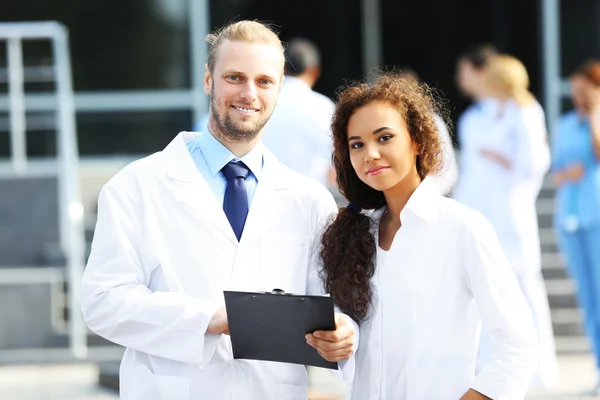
{"points": [[72, 235]]}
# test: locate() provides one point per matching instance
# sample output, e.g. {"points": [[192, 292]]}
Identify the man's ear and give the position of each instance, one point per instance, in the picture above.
{"points": [[207, 80]]}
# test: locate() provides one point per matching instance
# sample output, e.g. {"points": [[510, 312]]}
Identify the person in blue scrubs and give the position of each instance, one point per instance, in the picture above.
{"points": [[576, 171]]}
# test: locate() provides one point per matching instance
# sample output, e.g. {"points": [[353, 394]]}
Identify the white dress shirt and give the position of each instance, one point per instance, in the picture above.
{"points": [[421, 339], [299, 131]]}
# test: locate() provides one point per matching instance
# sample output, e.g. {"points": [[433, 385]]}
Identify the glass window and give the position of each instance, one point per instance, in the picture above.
{"points": [[579, 33], [124, 133], [115, 44]]}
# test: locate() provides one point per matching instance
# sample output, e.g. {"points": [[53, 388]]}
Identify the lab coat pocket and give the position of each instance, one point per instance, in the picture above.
{"points": [[163, 387], [292, 392], [285, 261]]}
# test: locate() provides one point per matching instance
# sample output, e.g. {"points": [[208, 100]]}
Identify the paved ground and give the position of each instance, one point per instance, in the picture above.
{"points": [[51, 382], [78, 382]]}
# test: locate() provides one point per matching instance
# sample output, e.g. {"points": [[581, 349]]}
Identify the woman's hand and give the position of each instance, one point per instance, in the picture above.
{"points": [[474, 395], [497, 157], [573, 174], [218, 323], [335, 345]]}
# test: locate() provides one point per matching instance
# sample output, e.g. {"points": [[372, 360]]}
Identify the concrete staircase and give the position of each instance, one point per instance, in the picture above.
{"points": [[567, 318]]}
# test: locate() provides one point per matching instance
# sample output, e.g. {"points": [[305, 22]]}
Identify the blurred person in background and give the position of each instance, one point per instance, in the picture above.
{"points": [[446, 178], [513, 156], [470, 71], [299, 132], [576, 172], [214, 211]]}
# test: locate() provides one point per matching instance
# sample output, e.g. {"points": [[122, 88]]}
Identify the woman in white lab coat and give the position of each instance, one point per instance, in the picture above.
{"points": [[514, 156], [418, 271]]}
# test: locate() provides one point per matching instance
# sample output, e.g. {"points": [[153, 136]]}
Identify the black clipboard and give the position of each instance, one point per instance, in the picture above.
{"points": [[271, 326]]}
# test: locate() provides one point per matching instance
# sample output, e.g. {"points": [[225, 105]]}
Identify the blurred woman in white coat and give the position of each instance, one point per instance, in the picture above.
{"points": [[513, 157]]}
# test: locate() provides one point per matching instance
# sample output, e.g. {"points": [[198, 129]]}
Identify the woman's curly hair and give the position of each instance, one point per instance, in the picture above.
{"points": [[348, 244]]}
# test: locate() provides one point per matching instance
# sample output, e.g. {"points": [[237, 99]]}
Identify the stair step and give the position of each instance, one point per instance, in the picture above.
{"points": [[547, 235], [553, 261], [555, 273], [561, 287], [567, 322], [561, 300], [567, 316], [571, 344], [549, 247], [545, 206]]}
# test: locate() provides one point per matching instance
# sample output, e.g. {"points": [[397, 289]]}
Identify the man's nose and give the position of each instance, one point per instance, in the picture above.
{"points": [[249, 92]]}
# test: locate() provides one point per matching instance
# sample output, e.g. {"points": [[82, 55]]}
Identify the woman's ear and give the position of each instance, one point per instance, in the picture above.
{"points": [[418, 148]]}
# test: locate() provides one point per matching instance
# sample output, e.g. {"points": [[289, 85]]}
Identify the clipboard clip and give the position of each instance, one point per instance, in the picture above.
{"points": [[279, 292]]}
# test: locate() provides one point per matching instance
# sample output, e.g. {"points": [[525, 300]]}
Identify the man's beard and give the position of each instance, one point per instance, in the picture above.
{"points": [[227, 128]]}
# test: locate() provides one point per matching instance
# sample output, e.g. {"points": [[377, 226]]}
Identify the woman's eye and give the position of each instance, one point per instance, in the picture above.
{"points": [[356, 145], [385, 138]]}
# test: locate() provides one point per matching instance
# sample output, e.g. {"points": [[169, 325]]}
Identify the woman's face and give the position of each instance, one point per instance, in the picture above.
{"points": [[582, 92], [381, 150]]}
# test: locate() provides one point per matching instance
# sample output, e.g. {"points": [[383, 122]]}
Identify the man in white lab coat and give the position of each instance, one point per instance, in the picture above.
{"points": [[299, 132], [213, 211]]}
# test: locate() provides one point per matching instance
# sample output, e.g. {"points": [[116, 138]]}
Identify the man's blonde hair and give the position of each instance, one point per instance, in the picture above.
{"points": [[245, 31]]}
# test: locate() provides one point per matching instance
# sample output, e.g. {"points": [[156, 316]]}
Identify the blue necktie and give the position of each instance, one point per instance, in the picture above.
{"points": [[235, 203]]}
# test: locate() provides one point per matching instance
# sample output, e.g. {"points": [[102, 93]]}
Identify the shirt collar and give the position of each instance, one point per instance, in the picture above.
{"points": [[422, 202], [217, 155]]}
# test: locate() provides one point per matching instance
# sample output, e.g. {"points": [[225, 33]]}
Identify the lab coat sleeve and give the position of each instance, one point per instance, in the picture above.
{"points": [[447, 177], [116, 301], [505, 314], [532, 158], [326, 212]]}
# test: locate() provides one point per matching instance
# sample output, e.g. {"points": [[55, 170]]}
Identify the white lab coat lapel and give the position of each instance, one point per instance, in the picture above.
{"points": [[269, 203], [195, 191]]}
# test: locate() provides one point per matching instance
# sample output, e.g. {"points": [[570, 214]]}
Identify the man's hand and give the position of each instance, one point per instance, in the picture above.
{"points": [[335, 345], [474, 395], [218, 323]]}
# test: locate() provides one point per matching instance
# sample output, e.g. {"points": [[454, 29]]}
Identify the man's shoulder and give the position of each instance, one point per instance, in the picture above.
{"points": [[138, 170], [302, 185]]}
